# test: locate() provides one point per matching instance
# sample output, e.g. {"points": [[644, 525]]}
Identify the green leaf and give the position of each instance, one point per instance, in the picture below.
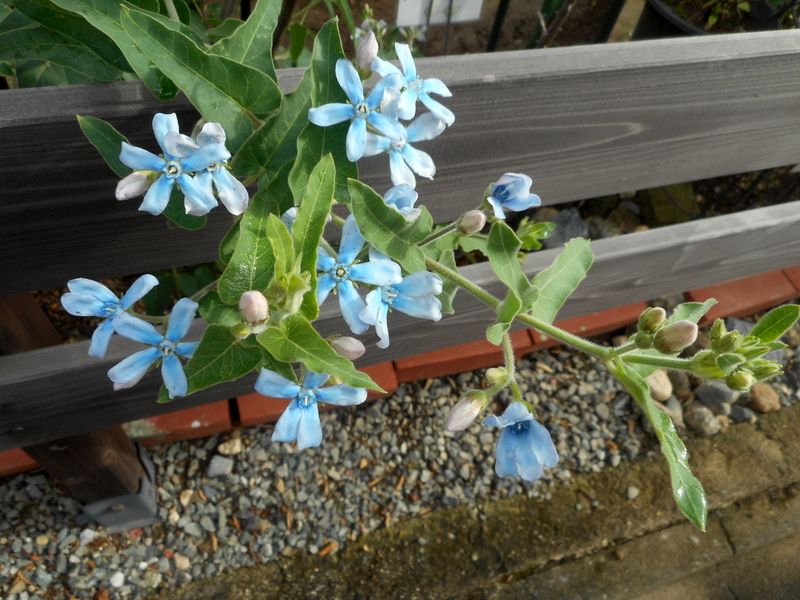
{"points": [[476, 242], [219, 357], [251, 44], [107, 141], [225, 29], [506, 313], [282, 245], [315, 142], [687, 490], [312, 213], [449, 288], [216, 312], [776, 322], [296, 340], [728, 362], [387, 230], [557, 282], [222, 90], [105, 16], [503, 248], [297, 41]]}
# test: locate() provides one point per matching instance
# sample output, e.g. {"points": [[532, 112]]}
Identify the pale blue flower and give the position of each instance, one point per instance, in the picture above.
{"points": [[359, 111], [404, 159], [166, 348], [300, 420], [174, 169], [415, 87], [402, 198], [512, 192], [415, 296], [524, 447], [231, 191], [87, 298], [341, 271]]}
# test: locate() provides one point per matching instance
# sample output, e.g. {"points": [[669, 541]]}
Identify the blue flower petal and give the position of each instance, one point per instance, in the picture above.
{"points": [[406, 61], [380, 273], [399, 170], [174, 377], [422, 307], [391, 128], [231, 191], [356, 142], [493, 421], [100, 339], [286, 427], [138, 289], [528, 466], [331, 114], [91, 287], [83, 305], [205, 156], [325, 285], [352, 241], [162, 125], [179, 145], [421, 283], [314, 380], [180, 319], [274, 385], [341, 395], [436, 86], [325, 261], [348, 78], [130, 371], [390, 82], [351, 304], [497, 208], [140, 159], [376, 144], [309, 429], [420, 162], [186, 349], [425, 127], [137, 330], [382, 326], [441, 111], [157, 196], [406, 104], [401, 196], [519, 204], [372, 307], [197, 198], [384, 68], [505, 456], [211, 133], [542, 445]]}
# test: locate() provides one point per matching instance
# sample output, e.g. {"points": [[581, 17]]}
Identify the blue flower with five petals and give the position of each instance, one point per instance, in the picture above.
{"points": [[415, 87], [524, 447], [512, 192], [300, 420], [166, 348], [341, 271], [174, 169], [87, 298], [359, 111]]}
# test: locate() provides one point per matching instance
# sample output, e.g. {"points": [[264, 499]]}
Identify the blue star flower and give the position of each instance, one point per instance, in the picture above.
{"points": [[340, 272], [300, 420], [174, 169], [359, 111], [230, 190], [415, 87], [524, 447], [404, 159], [402, 198], [415, 296], [166, 348], [87, 298], [512, 192]]}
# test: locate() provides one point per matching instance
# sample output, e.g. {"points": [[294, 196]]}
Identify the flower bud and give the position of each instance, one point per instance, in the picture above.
{"points": [[652, 319], [717, 331], [729, 342], [466, 410], [496, 375], [367, 51], [471, 222], [764, 369], [254, 307], [349, 347], [643, 340], [135, 184], [675, 337], [741, 381]]}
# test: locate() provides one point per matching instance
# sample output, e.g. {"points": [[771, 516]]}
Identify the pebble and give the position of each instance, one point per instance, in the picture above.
{"points": [[742, 414], [633, 492], [117, 579], [186, 497], [220, 466], [701, 420], [87, 536], [716, 396], [681, 386], [764, 398], [42, 540], [660, 385], [182, 563], [231, 447]]}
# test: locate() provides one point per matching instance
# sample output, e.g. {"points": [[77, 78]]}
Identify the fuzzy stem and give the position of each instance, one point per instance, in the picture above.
{"points": [[171, 11], [666, 362]]}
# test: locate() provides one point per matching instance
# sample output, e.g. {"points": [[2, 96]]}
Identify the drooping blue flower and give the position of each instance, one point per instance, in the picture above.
{"points": [[300, 420], [524, 447], [512, 192], [174, 169], [341, 271], [402, 198], [166, 348], [231, 191], [415, 295], [87, 298], [404, 159], [415, 87], [359, 111]]}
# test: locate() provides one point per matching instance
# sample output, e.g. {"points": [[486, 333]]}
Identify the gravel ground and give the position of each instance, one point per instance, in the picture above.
{"points": [[379, 463]]}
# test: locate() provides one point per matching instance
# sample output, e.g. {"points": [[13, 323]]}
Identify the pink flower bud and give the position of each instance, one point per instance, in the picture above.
{"points": [[465, 411], [254, 307], [367, 50], [349, 347], [135, 184], [675, 337], [471, 222]]}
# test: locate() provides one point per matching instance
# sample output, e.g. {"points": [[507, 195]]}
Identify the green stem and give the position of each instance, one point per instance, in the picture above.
{"points": [[666, 362], [626, 347], [337, 219], [173, 14], [439, 233], [199, 294], [328, 248], [148, 318], [508, 356]]}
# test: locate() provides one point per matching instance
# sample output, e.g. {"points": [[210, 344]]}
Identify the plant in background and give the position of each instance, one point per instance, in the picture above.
{"points": [[295, 152]]}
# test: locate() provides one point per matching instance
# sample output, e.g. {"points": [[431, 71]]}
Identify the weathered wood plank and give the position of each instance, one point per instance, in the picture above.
{"points": [[584, 121], [53, 392]]}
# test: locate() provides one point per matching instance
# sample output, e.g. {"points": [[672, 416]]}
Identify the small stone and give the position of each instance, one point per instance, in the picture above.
{"points": [[742, 414], [764, 398], [34, 493], [633, 492], [231, 447], [182, 563], [88, 536], [42, 540], [117, 579], [186, 497], [701, 420], [660, 385], [220, 467], [602, 411], [193, 529], [681, 386], [569, 224], [717, 397]]}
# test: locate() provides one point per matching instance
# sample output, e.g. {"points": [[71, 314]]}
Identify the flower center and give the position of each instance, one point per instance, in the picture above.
{"points": [[398, 145], [362, 110], [110, 308], [521, 427], [173, 169], [501, 192], [306, 398], [166, 347], [416, 85], [212, 167], [340, 272], [388, 295]]}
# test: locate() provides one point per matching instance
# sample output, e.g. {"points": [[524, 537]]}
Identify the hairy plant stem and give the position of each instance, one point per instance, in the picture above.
{"points": [[626, 347], [440, 233], [200, 294], [666, 362], [171, 11], [149, 318], [511, 367]]}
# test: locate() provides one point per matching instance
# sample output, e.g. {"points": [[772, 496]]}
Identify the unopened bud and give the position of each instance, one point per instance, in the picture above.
{"points": [[349, 347], [254, 307], [729, 342], [764, 369], [496, 375], [643, 340], [675, 337], [741, 381], [135, 184], [717, 330], [471, 222], [651, 319], [466, 410], [367, 51]]}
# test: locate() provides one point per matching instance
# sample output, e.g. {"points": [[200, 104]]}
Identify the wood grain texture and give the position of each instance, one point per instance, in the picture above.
{"points": [[59, 391], [583, 121]]}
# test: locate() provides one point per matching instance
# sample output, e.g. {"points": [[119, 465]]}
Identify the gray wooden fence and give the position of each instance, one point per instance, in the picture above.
{"points": [[583, 121]]}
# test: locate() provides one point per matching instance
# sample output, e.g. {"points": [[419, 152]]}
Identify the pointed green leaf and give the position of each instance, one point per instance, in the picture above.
{"points": [[282, 245], [557, 282], [251, 44], [503, 249], [776, 322], [107, 141], [449, 288], [506, 313], [387, 230], [296, 340], [729, 361]]}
